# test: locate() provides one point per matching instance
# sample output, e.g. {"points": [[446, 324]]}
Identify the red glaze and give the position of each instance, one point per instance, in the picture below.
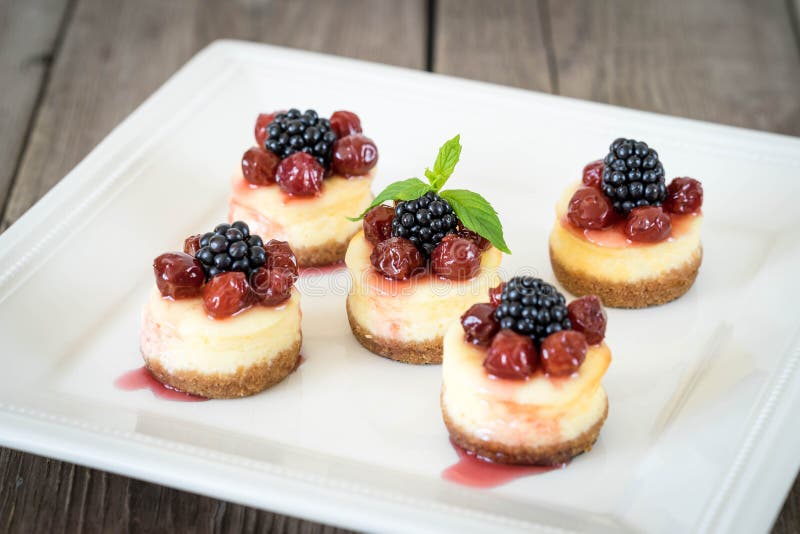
{"points": [[300, 174], [563, 352], [479, 324], [396, 258], [648, 224], [272, 286], [494, 294], [259, 166], [281, 256], [476, 472], [191, 244], [511, 356], [227, 294], [179, 275], [614, 236], [588, 317], [482, 242], [589, 208], [593, 174], [264, 120], [354, 155], [142, 378], [345, 123], [378, 224], [456, 258], [684, 195]]}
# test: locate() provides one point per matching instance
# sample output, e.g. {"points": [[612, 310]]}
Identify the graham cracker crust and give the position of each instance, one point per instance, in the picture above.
{"points": [[639, 294], [244, 382], [501, 453], [321, 255], [416, 352]]}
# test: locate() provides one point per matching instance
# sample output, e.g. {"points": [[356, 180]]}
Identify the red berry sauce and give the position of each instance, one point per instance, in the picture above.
{"points": [[477, 472], [142, 378]]}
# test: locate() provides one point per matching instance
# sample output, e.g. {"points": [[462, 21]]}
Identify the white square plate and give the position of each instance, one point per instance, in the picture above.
{"points": [[702, 433]]}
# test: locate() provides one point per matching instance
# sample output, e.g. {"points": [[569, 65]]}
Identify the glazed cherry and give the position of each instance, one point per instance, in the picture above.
{"points": [[495, 293], [272, 286], [396, 258], [345, 123], [354, 155], [281, 256], [456, 258], [378, 224], [179, 275], [684, 195], [192, 244], [511, 355], [259, 166], [588, 317], [300, 174], [563, 352], [264, 120], [479, 324], [593, 174], [227, 294], [589, 208], [482, 242], [648, 224]]}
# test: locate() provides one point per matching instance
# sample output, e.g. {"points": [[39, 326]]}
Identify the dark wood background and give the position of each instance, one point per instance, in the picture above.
{"points": [[70, 70]]}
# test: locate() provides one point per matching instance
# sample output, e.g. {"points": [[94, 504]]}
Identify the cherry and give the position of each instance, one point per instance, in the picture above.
{"points": [[479, 240], [511, 355], [684, 195], [264, 120], [648, 224], [495, 293], [563, 352], [300, 174], [271, 286], [281, 256], [227, 294], [354, 155], [589, 208], [479, 324], [593, 174], [456, 258], [192, 244], [587, 316], [378, 224], [178, 275], [259, 165], [397, 258], [345, 123]]}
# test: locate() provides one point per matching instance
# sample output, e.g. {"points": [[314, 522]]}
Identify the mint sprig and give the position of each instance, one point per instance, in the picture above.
{"points": [[407, 189], [478, 215], [445, 164]]}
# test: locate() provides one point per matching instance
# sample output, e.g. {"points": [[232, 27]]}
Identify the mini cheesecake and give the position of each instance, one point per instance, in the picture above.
{"points": [[223, 320], [631, 257], [302, 180], [514, 398]]}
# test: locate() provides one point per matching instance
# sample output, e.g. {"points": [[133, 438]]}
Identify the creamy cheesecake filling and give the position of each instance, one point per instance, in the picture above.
{"points": [[539, 411], [181, 336], [419, 309], [303, 222], [623, 263]]}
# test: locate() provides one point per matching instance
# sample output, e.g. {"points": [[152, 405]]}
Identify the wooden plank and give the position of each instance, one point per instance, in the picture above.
{"points": [[28, 33]]}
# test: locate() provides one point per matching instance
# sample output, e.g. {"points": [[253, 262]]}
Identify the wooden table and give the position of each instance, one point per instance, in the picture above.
{"points": [[70, 70]]}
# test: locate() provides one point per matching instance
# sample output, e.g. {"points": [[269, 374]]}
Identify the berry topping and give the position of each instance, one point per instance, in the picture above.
{"points": [[456, 258], [424, 221], [589, 208], [587, 316], [479, 240], [593, 174], [495, 293], [396, 258], [259, 165], [293, 132], [532, 307], [511, 355], [563, 352], [345, 123], [272, 286], [281, 256], [648, 225], [227, 294], [684, 195], [178, 275], [479, 324], [633, 176], [354, 155], [264, 120], [191, 244], [300, 175], [378, 224], [230, 248]]}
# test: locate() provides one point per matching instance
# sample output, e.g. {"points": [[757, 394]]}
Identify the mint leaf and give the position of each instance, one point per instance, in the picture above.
{"points": [[477, 215], [445, 163], [408, 189]]}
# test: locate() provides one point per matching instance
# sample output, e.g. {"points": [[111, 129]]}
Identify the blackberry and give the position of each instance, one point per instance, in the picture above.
{"points": [[293, 131], [230, 247], [424, 221], [633, 176], [532, 307]]}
